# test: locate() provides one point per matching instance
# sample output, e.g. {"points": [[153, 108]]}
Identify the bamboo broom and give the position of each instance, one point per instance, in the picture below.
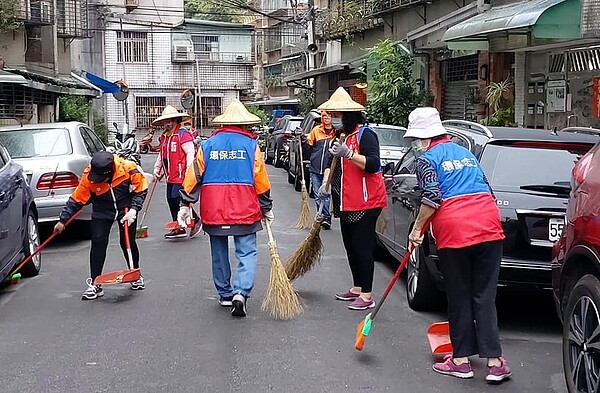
{"points": [[309, 252], [281, 301], [304, 218]]}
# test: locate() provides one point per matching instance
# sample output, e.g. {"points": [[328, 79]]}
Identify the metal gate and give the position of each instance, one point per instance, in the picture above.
{"points": [[459, 77]]}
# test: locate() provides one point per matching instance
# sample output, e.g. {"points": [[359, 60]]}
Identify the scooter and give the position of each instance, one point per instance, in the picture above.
{"points": [[146, 143], [125, 145]]}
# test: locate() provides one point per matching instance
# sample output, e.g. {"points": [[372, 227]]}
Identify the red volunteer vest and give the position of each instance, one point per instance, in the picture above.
{"points": [[360, 190], [172, 152]]}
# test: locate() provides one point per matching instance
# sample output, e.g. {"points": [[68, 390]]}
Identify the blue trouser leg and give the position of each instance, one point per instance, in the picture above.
{"points": [[245, 251], [317, 180], [221, 269]]}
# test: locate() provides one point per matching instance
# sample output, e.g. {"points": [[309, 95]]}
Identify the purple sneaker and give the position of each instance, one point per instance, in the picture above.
{"points": [[448, 367], [360, 304], [497, 374], [346, 296]]}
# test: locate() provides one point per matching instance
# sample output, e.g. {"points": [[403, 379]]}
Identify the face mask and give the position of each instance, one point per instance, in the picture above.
{"points": [[418, 146], [337, 123]]}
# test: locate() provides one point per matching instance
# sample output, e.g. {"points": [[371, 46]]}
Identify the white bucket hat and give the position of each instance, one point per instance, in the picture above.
{"points": [[424, 123]]}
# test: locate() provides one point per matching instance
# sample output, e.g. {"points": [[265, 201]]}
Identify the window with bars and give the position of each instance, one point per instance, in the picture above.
{"points": [[206, 47], [147, 109], [211, 108], [71, 17], [132, 47], [580, 60], [460, 69]]}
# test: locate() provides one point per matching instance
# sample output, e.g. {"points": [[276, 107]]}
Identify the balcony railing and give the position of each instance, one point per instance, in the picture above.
{"points": [[354, 17], [381, 7], [225, 57], [72, 18], [36, 12]]}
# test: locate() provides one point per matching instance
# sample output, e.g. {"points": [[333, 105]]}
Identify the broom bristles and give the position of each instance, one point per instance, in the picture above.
{"points": [[281, 301], [304, 218], [306, 256]]}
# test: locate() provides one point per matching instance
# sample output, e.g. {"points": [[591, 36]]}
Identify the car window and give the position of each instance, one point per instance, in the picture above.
{"points": [[408, 163], [460, 140], [542, 167], [95, 140], [389, 136], [28, 143], [3, 159], [294, 124], [87, 141]]}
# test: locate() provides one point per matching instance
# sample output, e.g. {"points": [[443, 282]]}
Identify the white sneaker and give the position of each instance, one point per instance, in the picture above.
{"points": [[93, 291], [138, 285]]}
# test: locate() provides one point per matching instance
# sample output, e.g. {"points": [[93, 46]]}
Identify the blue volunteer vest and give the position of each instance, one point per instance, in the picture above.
{"points": [[229, 159], [458, 170]]}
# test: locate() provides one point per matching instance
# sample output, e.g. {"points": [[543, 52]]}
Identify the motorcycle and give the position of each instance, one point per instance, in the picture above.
{"points": [[125, 145], [146, 145]]}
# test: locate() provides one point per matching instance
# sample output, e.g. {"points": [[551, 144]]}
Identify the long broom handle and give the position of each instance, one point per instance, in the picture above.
{"points": [[301, 159], [392, 282], [334, 162], [269, 231], [127, 244], [148, 203], [45, 243]]}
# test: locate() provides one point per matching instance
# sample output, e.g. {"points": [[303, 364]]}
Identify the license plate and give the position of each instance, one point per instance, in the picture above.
{"points": [[555, 228]]}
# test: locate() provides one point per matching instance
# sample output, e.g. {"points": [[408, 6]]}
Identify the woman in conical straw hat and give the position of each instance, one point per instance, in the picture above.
{"points": [[357, 191], [230, 179], [176, 154]]}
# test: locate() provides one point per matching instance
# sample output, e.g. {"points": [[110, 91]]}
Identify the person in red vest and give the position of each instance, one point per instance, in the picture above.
{"points": [[358, 193], [176, 154]]}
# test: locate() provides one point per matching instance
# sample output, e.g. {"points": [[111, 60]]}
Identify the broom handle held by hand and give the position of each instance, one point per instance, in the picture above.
{"points": [[127, 244], [269, 231], [148, 203], [334, 162], [301, 158]]}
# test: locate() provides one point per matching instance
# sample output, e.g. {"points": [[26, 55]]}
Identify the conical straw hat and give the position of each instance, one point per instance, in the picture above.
{"points": [[171, 113], [236, 114], [340, 101]]}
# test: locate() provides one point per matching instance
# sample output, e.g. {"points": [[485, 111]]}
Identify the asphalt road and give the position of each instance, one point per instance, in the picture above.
{"points": [[174, 337]]}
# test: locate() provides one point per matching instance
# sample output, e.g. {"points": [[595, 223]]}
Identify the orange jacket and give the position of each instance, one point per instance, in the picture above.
{"points": [[128, 189]]}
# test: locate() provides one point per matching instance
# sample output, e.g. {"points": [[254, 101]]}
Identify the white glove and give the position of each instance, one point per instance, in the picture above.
{"points": [[129, 216], [324, 191], [269, 216], [184, 218], [341, 150]]}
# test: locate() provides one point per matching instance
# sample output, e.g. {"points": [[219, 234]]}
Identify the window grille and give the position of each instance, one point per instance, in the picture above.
{"points": [[584, 60], [556, 63], [132, 47], [147, 109], [206, 47], [211, 108], [71, 17], [461, 69]]}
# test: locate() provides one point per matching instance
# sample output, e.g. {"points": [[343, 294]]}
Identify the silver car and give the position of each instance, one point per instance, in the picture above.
{"points": [[392, 145], [53, 157]]}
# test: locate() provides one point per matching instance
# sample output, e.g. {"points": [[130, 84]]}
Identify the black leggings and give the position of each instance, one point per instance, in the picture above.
{"points": [[100, 234], [359, 241], [174, 200]]}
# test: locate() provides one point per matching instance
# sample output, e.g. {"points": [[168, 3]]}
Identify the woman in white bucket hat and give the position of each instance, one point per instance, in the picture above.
{"points": [[465, 223]]}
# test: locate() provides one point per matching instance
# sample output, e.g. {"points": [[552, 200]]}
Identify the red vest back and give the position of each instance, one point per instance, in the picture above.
{"points": [[174, 155], [360, 190]]}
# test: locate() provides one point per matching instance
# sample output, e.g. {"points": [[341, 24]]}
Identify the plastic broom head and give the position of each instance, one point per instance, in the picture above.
{"points": [[362, 331]]}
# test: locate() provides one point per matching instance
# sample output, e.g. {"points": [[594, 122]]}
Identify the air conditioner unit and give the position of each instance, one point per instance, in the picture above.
{"points": [[183, 53]]}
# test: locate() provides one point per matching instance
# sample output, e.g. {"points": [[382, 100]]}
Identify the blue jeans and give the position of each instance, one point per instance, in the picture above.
{"points": [[245, 252], [316, 181]]}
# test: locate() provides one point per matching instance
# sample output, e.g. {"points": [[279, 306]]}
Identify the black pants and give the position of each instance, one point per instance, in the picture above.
{"points": [[174, 200], [100, 233], [359, 241], [471, 278]]}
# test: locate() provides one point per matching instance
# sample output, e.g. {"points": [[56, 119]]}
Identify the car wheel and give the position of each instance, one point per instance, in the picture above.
{"points": [[277, 163], [581, 359], [421, 292], [30, 244], [268, 159]]}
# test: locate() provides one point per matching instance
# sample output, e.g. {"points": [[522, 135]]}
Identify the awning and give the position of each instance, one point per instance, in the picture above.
{"points": [[60, 84], [9, 77], [101, 83], [546, 19], [319, 71]]}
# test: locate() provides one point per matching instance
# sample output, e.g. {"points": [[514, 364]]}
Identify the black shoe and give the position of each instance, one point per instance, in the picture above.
{"points": [[226, 301], [238, 308], [326, 225], [176, 233]]}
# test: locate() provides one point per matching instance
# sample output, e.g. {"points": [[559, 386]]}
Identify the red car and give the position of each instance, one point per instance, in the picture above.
{"points": [[576, 275]]}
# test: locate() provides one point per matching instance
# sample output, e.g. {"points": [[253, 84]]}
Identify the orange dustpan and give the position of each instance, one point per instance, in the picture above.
{"points": [[438, 335], [121, 276]]}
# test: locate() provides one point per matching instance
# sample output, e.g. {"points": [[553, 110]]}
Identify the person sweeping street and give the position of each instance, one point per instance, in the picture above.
{"points": [[465, 223], [175, 156], [230, 178], [319, 139], [358, 193], [112, 185]]}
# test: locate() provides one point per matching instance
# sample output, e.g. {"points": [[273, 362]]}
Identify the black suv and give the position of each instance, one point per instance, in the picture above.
{"points": [[529, 172], [311, 120], [277, 144]]}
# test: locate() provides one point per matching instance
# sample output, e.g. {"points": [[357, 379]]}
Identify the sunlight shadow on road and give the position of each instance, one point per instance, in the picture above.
{"points": [[368, 359]]}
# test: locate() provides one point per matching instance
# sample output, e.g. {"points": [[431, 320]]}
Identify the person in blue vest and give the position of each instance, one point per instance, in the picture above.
{"points": [[465, 223], [230, 179]]}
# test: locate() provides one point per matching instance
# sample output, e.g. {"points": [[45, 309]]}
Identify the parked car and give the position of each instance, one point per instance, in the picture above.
{"points": [[278, 140], [19, 235], [576, 275], [53, 156], [310, 121], [392, 145], [529, 172]]}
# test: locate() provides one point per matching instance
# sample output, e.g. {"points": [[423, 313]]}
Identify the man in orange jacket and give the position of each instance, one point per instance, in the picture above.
{"points": [[112, 185]]}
